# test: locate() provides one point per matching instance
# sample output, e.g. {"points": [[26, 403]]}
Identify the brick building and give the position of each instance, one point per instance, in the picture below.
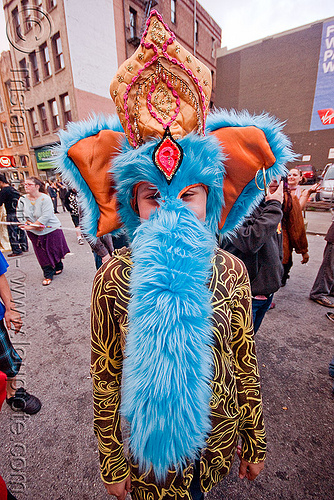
{"points": [[67, 52], [290, 75], [15, 160]]}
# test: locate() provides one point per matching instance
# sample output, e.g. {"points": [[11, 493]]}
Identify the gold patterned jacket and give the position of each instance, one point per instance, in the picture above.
{"points": [[236, 407]]}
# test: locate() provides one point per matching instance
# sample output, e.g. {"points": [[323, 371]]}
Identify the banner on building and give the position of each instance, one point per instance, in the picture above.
{"points": [[7, 161], [45, 157], [323, 104]]}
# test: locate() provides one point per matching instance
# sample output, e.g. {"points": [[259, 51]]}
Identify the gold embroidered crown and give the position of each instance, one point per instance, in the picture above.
{"points": [[161, 86]]}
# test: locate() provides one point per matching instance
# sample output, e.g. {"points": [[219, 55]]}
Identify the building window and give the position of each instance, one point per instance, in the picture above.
{"points": [[39, 9], [213, 50], [24, 73], [52, 4], [1, 142], [26, 15], [9, 91], [46, 60], [196, 31], [24, 160], [133, 23], [54, 112], [33, 122], [34, 67], [66, 107], [43, 117], [16, 23], [7, 135], [16, 134], [1, 105], [173, 11], [57, 52]]}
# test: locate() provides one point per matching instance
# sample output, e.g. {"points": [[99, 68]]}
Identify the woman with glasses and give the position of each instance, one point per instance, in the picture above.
{"points": [[35, 212]]}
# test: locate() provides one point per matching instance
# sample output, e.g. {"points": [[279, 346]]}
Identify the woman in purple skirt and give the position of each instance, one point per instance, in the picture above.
{"points": [[35, 211]]}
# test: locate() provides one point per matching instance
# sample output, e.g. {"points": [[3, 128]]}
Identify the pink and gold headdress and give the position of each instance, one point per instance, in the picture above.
{"points": [[161, 86], [162, 91]]}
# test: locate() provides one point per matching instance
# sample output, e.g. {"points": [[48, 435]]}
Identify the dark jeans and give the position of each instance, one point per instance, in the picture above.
{"points": [[98, 261], [54, 201], [75, 220], [287, 268], [260, 307], [331, 368], [17, 237], [63, 204], [195, 489]]}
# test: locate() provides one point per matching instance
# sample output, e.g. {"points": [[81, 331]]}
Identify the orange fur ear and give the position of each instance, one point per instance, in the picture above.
{"points": [[93, 156], [246, 150]]}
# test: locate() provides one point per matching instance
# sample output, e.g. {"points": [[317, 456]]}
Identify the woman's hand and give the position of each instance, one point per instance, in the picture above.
{"points": [[248, 470], [119, 490], [28, 226], [314, 188], [305, 258]]}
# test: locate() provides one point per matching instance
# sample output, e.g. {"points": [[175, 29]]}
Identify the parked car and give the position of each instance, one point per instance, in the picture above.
{"points": [[326, 181], [307, 172]]}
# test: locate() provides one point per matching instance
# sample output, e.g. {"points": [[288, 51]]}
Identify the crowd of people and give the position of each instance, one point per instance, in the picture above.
{"points": [[275, 225], [264, 242]]}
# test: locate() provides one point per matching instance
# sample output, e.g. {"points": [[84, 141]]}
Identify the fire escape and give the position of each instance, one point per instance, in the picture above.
{"points": [[134, 39]]}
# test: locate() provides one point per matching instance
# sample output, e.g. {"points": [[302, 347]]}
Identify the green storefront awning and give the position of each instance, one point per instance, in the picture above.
{"points": [[45, 157]]}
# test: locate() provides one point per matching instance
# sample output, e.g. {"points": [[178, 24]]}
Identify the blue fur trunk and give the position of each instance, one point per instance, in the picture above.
{"points": [[168, 358]]}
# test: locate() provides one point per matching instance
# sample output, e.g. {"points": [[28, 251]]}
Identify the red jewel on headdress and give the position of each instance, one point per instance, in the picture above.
{"points": [[167, 155]]}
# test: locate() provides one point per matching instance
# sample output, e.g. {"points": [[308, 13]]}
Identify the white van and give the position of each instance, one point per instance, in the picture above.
{"points": [[326, 190]]}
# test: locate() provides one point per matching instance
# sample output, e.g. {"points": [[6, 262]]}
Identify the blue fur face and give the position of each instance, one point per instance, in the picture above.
{"points": [[202, 163]]}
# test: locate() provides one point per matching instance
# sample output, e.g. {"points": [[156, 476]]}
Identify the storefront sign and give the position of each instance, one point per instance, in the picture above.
{"points": [[7, 161], [45, 157]]}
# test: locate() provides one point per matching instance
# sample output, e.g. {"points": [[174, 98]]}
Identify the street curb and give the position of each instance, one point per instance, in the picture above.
{"points": [[316, 233]]}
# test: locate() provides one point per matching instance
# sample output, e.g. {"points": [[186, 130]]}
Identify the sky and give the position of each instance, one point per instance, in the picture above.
{"points": [[244, 21]]}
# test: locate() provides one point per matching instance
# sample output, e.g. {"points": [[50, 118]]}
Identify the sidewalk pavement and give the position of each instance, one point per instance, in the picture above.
{"points": [[318, 222]]}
